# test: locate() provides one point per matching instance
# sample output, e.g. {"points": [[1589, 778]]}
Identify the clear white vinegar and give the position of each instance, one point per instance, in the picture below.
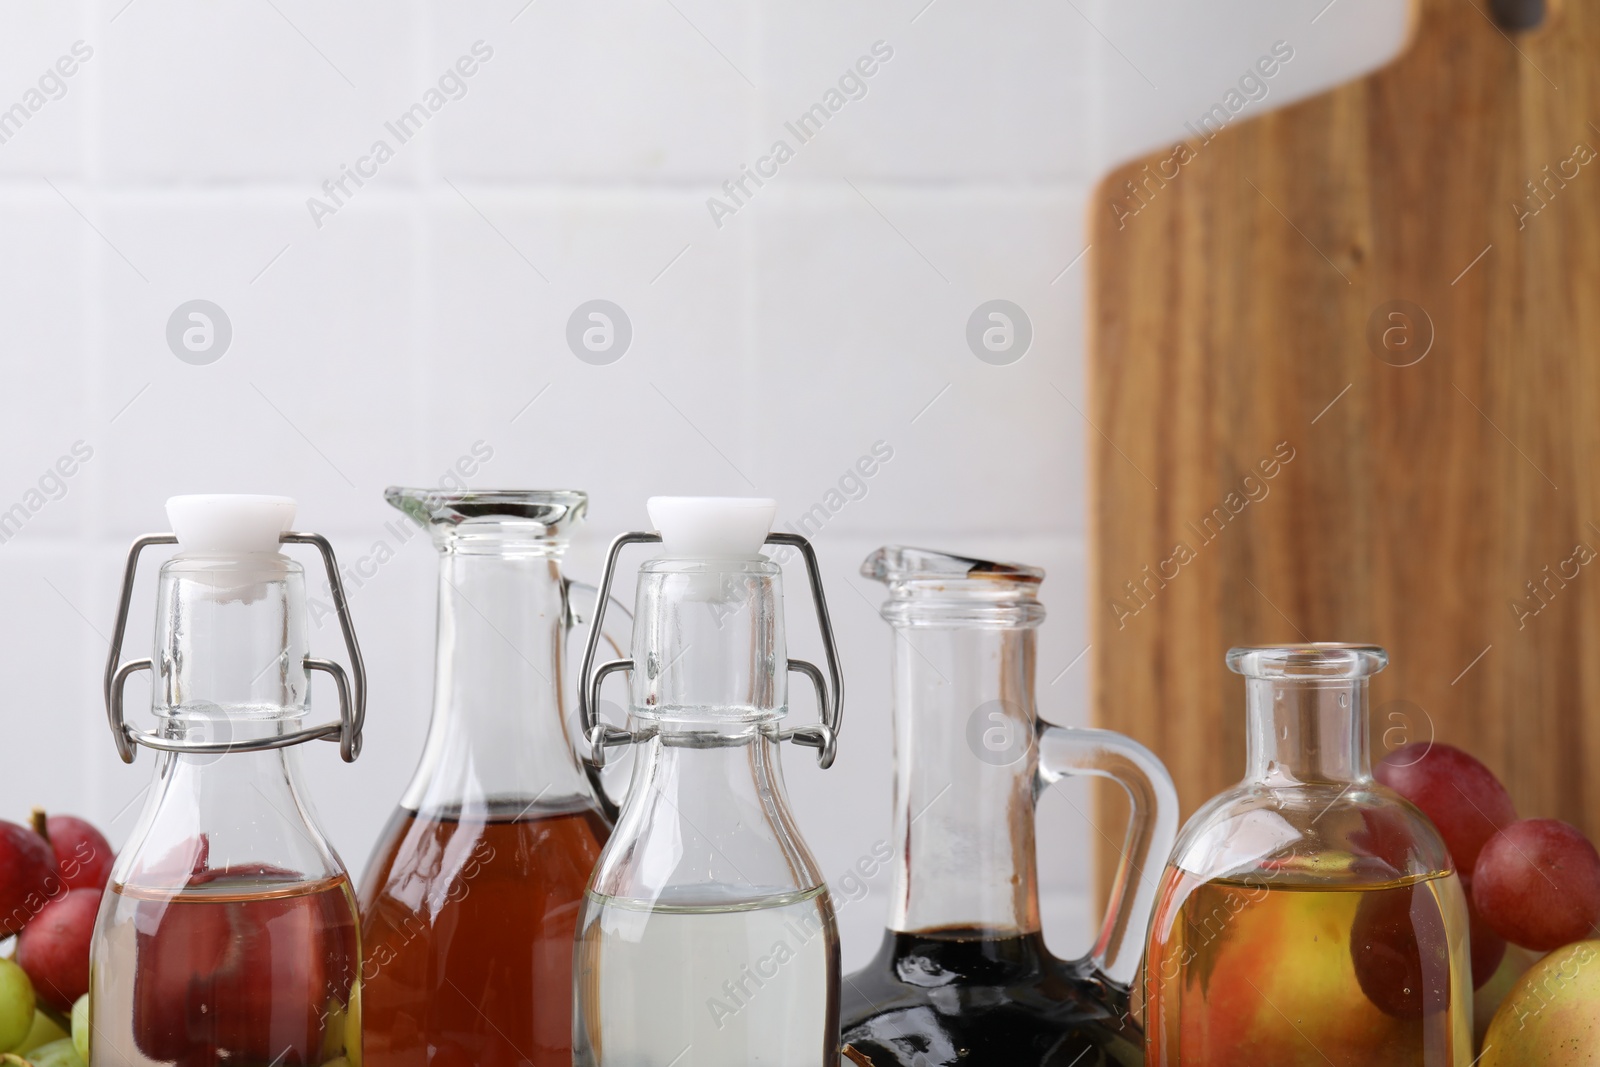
{"points": [[745, 984]]}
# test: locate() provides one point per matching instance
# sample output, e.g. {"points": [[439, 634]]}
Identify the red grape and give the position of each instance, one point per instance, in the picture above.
{"points": [[263, 963], [1401, 952], [54, 949], [27, 876], [83, 855], [1537, 884], [1385, 841], [1462, 797], [1488, 947]]}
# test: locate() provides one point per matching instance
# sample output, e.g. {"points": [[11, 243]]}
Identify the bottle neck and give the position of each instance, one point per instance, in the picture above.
{"points": [[707, 819], [1306, 731], [498, 741], [709, 634], [238, 814], [965, 767], [230, 639], [229, 660]]}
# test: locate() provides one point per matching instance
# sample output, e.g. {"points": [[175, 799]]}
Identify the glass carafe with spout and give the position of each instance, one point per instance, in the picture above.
{"points": [[228, 932], [963, 975], [708, 936], [471, 899], [1309, 915]]}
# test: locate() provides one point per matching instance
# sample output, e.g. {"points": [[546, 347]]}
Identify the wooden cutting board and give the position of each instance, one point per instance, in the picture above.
{"points": [[1252, 306]]}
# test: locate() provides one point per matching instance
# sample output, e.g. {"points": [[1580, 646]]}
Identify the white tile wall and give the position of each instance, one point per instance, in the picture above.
{"points": [[429, 309]]}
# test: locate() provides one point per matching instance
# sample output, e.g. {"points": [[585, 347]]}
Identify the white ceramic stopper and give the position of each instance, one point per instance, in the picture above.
{"points": [[712, 526], [229, 522]]}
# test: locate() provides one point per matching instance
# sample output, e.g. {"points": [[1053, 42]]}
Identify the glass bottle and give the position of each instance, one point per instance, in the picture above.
{"points": [[471, 898], [228, 932], [1309, 915], [963, 975], [708, 935]]}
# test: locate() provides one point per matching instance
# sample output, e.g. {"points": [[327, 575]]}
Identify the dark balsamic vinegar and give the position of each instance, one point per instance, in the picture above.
{"points": [[979, 998]]}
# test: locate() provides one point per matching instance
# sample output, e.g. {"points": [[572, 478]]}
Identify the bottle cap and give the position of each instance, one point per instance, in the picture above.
{"points": [[229, 522], [712, 526]]}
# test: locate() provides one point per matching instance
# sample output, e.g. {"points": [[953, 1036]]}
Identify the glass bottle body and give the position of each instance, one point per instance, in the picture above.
{"points": [[471, 898], [708, 935], [1309, 915], [963, 975], [229, 929], [739, 975], [245, 963]]}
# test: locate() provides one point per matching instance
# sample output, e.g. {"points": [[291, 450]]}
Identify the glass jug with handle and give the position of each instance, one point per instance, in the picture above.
{"points": [[228, 932], [708, 935], [963, 975], [471, 899]]}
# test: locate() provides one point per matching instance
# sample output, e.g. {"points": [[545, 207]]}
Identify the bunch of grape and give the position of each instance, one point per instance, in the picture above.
{"points": [[1532, 882], [52, 875]]}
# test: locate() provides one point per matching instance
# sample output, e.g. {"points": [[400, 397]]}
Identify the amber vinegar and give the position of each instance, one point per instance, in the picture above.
{"points": [[470, 900], [468, 926], [1265, 973]]}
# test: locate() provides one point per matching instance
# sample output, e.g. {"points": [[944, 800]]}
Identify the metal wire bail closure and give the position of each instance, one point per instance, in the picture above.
{"points": [[352, 688], [822, 736]]}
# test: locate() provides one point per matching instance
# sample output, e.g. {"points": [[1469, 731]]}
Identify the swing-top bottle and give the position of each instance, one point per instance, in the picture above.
{"points": [[228, 933], [707, 935]]}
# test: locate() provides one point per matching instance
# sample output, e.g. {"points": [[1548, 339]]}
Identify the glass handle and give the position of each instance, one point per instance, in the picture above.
{"points": [[1152, 828], [616, 631]]}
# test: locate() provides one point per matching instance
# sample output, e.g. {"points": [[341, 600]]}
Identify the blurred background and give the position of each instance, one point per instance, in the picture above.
{"points": [[422, 322]]}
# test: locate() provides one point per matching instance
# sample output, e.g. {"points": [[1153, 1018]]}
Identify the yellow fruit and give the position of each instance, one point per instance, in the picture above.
{"points": [[1552, 1016], [1302, 1008]]}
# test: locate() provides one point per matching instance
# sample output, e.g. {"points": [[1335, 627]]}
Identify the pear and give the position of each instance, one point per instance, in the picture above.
{"points": [[1552, 1016]]}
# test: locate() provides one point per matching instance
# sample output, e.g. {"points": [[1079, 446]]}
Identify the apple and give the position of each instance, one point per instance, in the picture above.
{"points": [[1552, 1016], [1283, 990]]}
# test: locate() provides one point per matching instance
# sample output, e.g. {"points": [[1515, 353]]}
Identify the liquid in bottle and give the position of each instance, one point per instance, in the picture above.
{"points": [[470, 901], [456, 892], [1308, 915], [244, 965], [1267, 970]]}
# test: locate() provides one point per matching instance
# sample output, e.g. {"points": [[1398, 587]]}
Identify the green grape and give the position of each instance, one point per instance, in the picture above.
{"points": [[16, 1005], [80, 1026], [44, 1031], [56, 1054]]}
